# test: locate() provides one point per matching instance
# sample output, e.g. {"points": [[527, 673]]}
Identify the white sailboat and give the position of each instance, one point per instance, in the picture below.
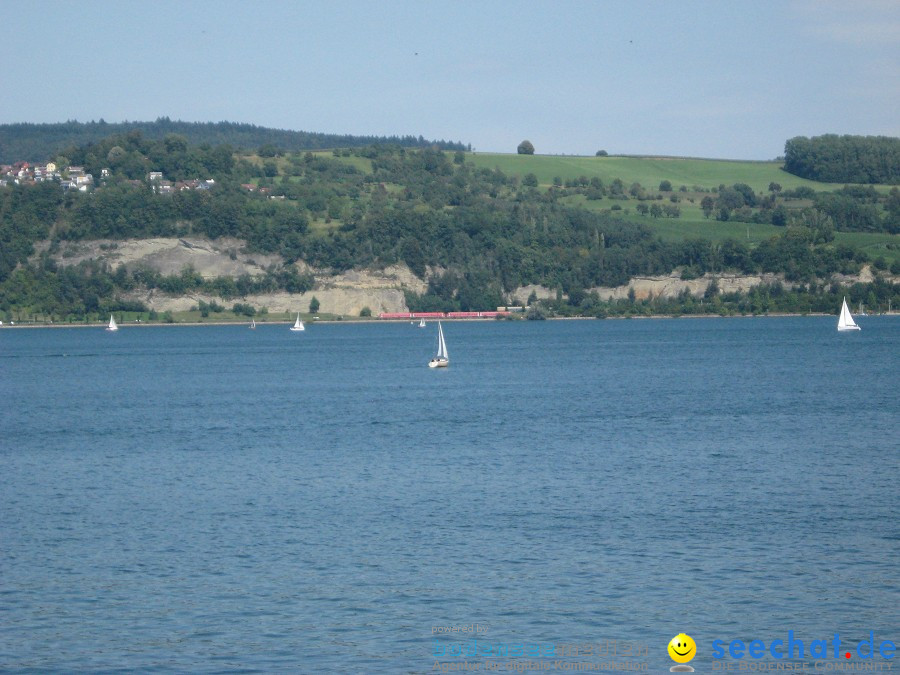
{"points": [[422, 323], [298, 324], [845, 321], [252, 323], [112, 323], [442, 360]]}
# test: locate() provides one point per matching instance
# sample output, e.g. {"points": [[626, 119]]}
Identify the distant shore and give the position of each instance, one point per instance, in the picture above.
{"points": [[156, 324]]}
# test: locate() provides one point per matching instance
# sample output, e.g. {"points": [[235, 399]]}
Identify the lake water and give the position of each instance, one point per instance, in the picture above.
{"points": [[216, 498]]}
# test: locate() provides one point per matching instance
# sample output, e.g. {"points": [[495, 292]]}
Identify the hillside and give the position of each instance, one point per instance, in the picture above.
{"points": [[43, 142], [691, 180], [475, 231]]}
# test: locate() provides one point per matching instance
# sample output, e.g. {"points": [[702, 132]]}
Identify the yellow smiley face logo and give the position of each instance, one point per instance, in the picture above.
{"points": [[682, 648]]}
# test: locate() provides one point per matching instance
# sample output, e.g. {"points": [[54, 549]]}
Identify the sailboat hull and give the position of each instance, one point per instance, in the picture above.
{"points": [[438, 363], [843, 329]]}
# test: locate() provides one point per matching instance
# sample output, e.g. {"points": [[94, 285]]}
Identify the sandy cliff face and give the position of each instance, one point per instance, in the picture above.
{"points": [[170, 255], [346, 293], [672, 285]]}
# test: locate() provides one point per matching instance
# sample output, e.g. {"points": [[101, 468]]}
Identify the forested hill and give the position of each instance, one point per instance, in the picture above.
{"points": [[40, 142]]}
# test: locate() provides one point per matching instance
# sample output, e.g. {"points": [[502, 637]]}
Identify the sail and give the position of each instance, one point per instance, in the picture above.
{"points": [[846, 322], [442, 346], [112, 323]]}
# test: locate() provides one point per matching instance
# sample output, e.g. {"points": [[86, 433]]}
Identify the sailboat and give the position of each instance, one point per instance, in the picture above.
{"points": [[252, 323], [298, 324], [422, 323], [442, 360], [112, 323], [846, 322]]}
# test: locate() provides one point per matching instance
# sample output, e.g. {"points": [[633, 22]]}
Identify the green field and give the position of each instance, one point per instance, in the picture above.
{"points": [[648, 171]]}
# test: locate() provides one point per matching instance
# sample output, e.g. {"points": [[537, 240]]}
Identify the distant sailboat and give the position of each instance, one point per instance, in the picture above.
{"points": [[252, 323], [112, 323], [846, 322], [298, 324], [422, 323], [442, 360]]}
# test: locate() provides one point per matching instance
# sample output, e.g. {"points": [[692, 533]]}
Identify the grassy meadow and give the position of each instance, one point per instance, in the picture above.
{"points": [[648, 171]]}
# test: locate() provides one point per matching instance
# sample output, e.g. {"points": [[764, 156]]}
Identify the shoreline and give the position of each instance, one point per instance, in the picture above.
{"points": [[156, 324]]}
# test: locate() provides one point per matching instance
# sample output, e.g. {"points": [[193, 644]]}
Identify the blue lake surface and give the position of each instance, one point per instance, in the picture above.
{"points": [[216, 498]]}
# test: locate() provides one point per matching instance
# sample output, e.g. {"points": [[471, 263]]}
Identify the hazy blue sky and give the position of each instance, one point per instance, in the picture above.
{"points": [[717, 78]]}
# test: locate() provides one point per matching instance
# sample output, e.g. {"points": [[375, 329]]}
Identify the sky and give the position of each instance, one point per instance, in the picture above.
{"points": [[716, 78]]}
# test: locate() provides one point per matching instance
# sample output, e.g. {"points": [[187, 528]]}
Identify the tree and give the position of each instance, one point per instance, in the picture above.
{"points": [[115, 154], [665, 186], [411, 253], [530, 180], [525, 148], [779, 216], [314, 305], [602, 153]]}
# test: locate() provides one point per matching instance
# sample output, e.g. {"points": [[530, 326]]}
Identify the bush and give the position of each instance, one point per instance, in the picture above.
{"points": [[535, 313], [242, 308], [365, 311]]}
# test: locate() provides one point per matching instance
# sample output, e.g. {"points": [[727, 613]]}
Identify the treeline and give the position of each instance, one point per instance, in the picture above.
{"points": [[36, 142], [844, 159]]}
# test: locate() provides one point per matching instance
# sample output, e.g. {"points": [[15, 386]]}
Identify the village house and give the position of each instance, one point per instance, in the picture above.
{"points": [[76, 178]]}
